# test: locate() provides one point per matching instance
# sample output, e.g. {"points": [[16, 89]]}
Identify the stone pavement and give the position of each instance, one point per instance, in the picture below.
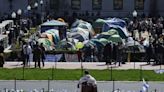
{"points": [[88, 65]]}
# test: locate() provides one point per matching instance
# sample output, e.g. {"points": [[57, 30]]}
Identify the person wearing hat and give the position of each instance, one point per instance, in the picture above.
{"points": [[87, 83]]}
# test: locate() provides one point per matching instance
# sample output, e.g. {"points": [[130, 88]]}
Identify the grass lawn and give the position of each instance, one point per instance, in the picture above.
{"points": [[65, 74]]}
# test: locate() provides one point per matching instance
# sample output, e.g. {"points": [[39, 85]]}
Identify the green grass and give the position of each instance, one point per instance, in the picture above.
{"points": [[66, 74]]}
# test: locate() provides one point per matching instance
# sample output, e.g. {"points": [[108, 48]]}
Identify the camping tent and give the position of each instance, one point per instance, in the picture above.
{"points": [[53, 24]]}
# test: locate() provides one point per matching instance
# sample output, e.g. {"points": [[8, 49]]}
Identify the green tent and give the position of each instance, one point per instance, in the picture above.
{"points": [[98, 23], [115, 38], [104, 41]]}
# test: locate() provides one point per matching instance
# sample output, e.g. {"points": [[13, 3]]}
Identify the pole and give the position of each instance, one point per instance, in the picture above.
{"points": [[140, 72], [81, 68], [111, 73], [23, 73], [48, 84], [15, 85], [113, 86], [52, 72]]}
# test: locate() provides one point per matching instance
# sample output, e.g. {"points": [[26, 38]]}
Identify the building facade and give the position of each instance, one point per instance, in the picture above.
{"points": [[118, 8]]}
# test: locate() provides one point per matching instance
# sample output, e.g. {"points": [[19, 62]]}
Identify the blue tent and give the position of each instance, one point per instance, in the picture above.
{"points": [[117, 24]]}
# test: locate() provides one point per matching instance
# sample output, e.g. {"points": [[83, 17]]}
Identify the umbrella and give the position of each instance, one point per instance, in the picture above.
{"points": [[115, 38], [79, 45]]}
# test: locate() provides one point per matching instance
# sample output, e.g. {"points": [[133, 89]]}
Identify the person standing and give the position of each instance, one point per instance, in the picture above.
{"points": [[1, 54], [42, 53], [37, 55], [27, 52], [107, 53]]}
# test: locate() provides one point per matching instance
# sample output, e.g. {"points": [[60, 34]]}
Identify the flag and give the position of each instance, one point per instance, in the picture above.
{"points": [[145, 86]]}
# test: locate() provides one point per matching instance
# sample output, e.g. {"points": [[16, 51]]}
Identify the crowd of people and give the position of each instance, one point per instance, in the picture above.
{"points": [[154, 28]]}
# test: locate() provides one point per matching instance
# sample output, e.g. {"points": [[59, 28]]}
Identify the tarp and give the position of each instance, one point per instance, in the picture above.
{"points": [[52, 58], [71, 57]]}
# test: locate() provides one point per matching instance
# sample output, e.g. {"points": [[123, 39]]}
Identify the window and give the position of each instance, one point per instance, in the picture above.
{"points": [[96, 4], [76, 4], [139, 4], [118, 4]]}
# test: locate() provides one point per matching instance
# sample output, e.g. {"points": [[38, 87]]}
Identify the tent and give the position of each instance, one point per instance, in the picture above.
{"points": [[55, 34], [97, 43], [117, 24], [46, 43], [53, 24], [65, 45], [99, 23], [80, 30], [115, 38], [104, 41], [84, 25], [104, 35]]}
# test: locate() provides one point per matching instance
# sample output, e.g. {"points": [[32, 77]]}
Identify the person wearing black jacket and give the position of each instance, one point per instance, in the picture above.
{"points": [[1, 55]]}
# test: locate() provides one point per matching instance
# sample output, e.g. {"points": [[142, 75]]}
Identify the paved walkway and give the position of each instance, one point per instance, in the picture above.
{"points": [[88, 65]]}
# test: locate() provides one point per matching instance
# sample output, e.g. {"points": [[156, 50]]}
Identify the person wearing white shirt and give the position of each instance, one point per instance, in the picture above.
{"points": [[27, 50], [87, 83]]}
